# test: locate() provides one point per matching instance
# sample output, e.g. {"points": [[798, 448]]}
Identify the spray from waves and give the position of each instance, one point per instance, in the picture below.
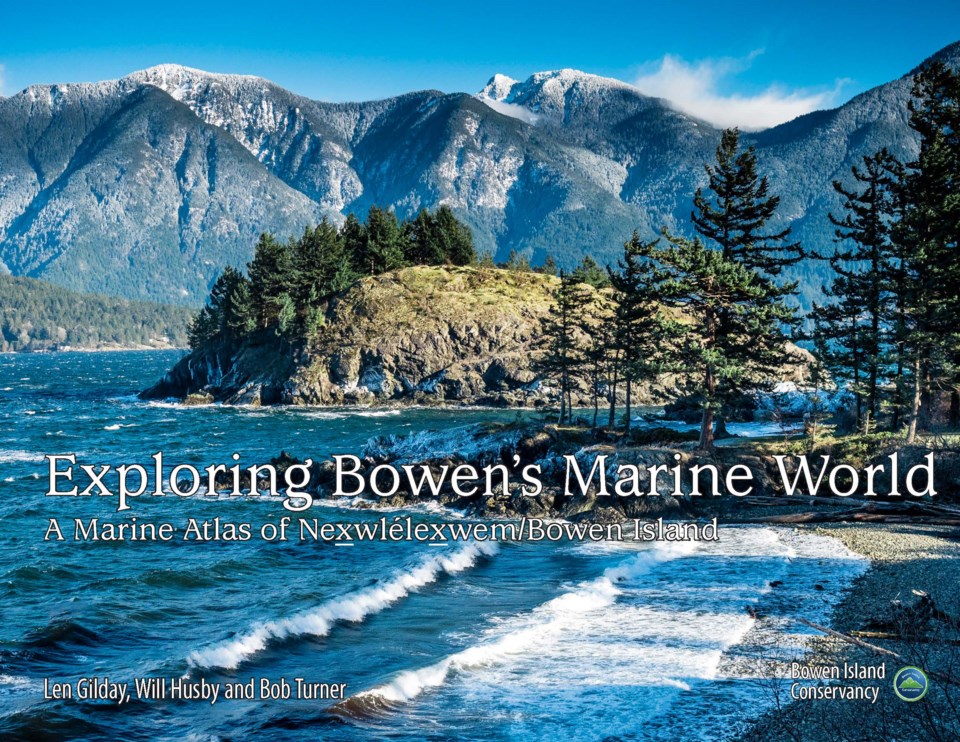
{"points": [[11, 456], [353, 607], [546, 620], [11, 685]]}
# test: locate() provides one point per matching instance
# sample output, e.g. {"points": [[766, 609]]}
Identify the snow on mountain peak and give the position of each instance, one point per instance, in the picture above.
{"points": [[560, 81], [553, 95], [249, 108], [499, 87], [551, 82], [178, 80]]}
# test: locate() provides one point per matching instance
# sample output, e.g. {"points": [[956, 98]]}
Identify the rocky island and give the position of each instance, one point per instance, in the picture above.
{"points": [[422, 335]]}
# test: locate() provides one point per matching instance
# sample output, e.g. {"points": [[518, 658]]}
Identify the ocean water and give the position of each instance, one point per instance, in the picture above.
{"points": [[512, 641]]}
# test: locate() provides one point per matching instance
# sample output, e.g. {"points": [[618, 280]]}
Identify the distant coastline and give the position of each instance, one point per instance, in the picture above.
{"points": [[96, 349], [36, 316]]}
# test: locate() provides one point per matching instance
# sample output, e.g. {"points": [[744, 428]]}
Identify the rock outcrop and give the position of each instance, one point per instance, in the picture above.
{"points": [[429, 333], [417, 335]]}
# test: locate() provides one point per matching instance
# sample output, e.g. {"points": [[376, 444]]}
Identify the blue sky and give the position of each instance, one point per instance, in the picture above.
{"points": [[747, 61]]}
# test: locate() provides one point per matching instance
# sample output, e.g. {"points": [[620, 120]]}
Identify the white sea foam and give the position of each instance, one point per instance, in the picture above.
{"points": [[651, 639], [125, 398], [530, 632], [13, 684], [360, 503], [11, 456], [314, 414], [352, 607], [758, 429], [173, 404], [467, 441], [15, 680]]}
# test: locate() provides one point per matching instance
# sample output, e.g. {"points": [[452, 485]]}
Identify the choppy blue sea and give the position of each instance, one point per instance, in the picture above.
{"points": [[468, 641]]}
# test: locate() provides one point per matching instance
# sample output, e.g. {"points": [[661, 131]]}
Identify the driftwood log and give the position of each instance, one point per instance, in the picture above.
{"points": [[863, 511], [875, 649]]}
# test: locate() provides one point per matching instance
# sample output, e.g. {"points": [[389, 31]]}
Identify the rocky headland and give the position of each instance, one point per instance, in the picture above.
{"points": [[418, 335]]}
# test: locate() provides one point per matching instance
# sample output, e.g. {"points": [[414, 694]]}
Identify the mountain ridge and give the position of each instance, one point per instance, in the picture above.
{"points": [[109, 187]]}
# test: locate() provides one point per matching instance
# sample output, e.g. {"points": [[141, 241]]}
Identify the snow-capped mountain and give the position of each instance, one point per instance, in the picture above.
{"points": [[146, 185]]}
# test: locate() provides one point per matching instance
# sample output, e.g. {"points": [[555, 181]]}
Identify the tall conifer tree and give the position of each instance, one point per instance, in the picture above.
{"points": [[927, 233], [382, 248], [270, 274], [638, 326], [852, 330], [734, 211], [565, 358], [732, 214], [720, 355]]}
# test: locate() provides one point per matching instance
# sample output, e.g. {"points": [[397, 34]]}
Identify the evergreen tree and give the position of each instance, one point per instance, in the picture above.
{"points": [[549, 267], [202, 330], [228, 314], [721, 356], [241, 315], [733, 215], [851, 330], [422, 243], [354, 236], [456, 239], [927, 234], [230, 304], [590, 273], [286, 317], [517, 262], [270, 273], [638, 325], [438, 239], [382, 248], [321, 266], [734, 212], [841, 339], [600, 353], [565, 357]]}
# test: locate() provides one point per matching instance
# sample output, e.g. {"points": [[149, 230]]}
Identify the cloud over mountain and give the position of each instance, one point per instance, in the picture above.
{"points": [[697, 88]]}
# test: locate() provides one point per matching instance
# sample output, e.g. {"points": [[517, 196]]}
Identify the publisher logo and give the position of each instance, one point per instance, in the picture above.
{"points": [[910, 684]]}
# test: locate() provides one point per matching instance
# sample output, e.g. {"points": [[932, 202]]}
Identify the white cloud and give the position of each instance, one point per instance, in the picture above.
{"points": [[510, 109], [3, 81], [696, 88]]}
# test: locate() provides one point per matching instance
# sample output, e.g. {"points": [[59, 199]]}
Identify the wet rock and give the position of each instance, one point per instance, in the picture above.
{"points": [[534, 447]]}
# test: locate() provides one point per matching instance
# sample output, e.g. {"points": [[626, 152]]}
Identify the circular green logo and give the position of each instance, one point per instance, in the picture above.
{"points": [[910, 684]]}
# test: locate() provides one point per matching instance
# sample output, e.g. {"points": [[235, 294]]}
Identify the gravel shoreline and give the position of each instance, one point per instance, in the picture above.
{"points": [[903, 558]]}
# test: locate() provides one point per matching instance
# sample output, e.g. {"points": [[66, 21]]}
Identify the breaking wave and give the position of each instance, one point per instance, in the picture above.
{"points": [[352, 607], [545, 620]]}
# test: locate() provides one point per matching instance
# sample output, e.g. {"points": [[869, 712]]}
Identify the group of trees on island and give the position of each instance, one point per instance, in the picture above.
{"points": [[890, 333], [287, 282]]}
